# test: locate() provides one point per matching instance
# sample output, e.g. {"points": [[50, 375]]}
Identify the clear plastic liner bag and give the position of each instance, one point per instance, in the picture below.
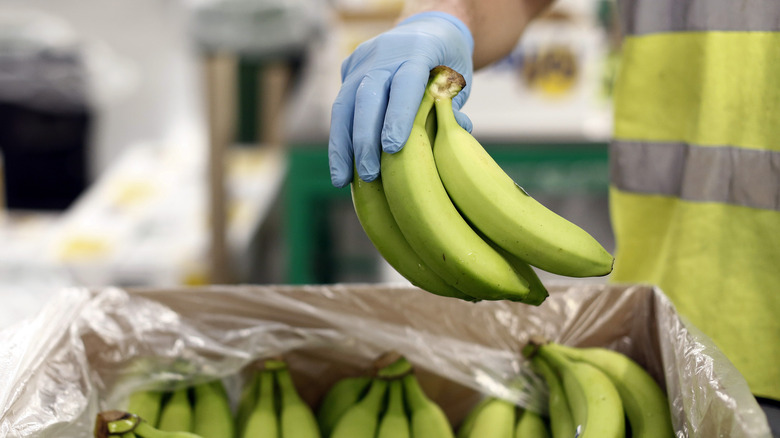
{"points": [[89, 349]]}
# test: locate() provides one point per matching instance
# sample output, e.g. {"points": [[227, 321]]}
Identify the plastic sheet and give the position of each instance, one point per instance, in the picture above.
{"points": [[88, 349]]}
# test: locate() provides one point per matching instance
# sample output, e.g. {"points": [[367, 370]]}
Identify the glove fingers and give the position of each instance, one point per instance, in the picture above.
{"points": [[340, 152], [406, 92], [370, 106]]}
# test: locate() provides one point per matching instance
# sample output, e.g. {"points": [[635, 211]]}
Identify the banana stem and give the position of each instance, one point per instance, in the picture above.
{"points": [[395, 370], [114, 422], [445, 82], [425, 107]]}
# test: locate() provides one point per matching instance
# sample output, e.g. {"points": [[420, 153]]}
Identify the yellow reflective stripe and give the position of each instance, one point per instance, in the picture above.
{"points": [[723, 255], [705, 88], [654, 16]]}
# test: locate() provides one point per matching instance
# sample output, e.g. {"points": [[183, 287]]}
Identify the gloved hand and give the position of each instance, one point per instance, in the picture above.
{"points": [[383, 82]]}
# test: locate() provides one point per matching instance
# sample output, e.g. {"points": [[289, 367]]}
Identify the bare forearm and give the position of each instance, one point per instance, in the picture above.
{"points": [[496, 25]]}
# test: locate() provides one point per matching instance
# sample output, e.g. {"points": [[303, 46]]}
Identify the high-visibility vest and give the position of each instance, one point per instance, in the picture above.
{"points": [[695, 170]]}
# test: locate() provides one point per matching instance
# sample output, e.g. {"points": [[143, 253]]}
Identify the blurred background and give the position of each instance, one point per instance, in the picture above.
{"points": [[184, 142]]}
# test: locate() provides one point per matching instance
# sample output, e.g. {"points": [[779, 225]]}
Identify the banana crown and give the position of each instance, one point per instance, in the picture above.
{"points": [[119, 423]]}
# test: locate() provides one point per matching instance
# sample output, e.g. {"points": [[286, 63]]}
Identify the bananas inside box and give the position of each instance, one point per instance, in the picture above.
{"points": [[366, 361]]}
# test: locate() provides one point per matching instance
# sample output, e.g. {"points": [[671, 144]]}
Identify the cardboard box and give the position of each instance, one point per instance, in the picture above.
{"points": [[88, 349]]}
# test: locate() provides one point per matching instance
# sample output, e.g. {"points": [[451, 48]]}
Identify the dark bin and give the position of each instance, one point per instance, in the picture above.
{"points": [[45, 126]]}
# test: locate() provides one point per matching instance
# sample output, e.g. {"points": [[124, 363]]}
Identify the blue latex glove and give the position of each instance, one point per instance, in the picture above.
{"points": [[383, 82]]}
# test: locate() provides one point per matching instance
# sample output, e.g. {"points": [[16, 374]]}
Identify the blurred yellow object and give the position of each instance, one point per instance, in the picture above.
{"points": [[83, 248], [195, 278], [131, 193], [553, 71]]}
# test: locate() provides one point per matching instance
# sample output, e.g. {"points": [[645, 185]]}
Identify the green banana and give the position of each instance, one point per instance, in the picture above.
{"points": [[146, 404], [394, 423], [645, 403], [496, 419], [362, 418], [496, 205], [212, 415], [340, 397], [263, 421], [427, 418], [296, 419], [247, 400], [531, 425], [176, 414], [467, 424], [431, 125], [537, 290], [594, 401], [561, 421], [373, 212], [374, 215], [432, 225]]}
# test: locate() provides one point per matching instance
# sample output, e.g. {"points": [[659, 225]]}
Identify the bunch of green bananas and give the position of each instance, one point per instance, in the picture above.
{"points": [[202, 410], [389, 404], [271, 407], [498, 418], [447, 217], [598, 392]]}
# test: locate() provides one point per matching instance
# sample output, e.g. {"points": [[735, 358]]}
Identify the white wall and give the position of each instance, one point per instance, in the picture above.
{"points": [[146, 83]]}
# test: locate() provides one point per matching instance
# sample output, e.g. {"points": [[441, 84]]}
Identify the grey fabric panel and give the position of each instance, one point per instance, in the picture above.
{"points": [[641, 17], [723, 174]]}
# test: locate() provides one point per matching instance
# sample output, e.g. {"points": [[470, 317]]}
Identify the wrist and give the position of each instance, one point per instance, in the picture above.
{"points": [[462, 28]]}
